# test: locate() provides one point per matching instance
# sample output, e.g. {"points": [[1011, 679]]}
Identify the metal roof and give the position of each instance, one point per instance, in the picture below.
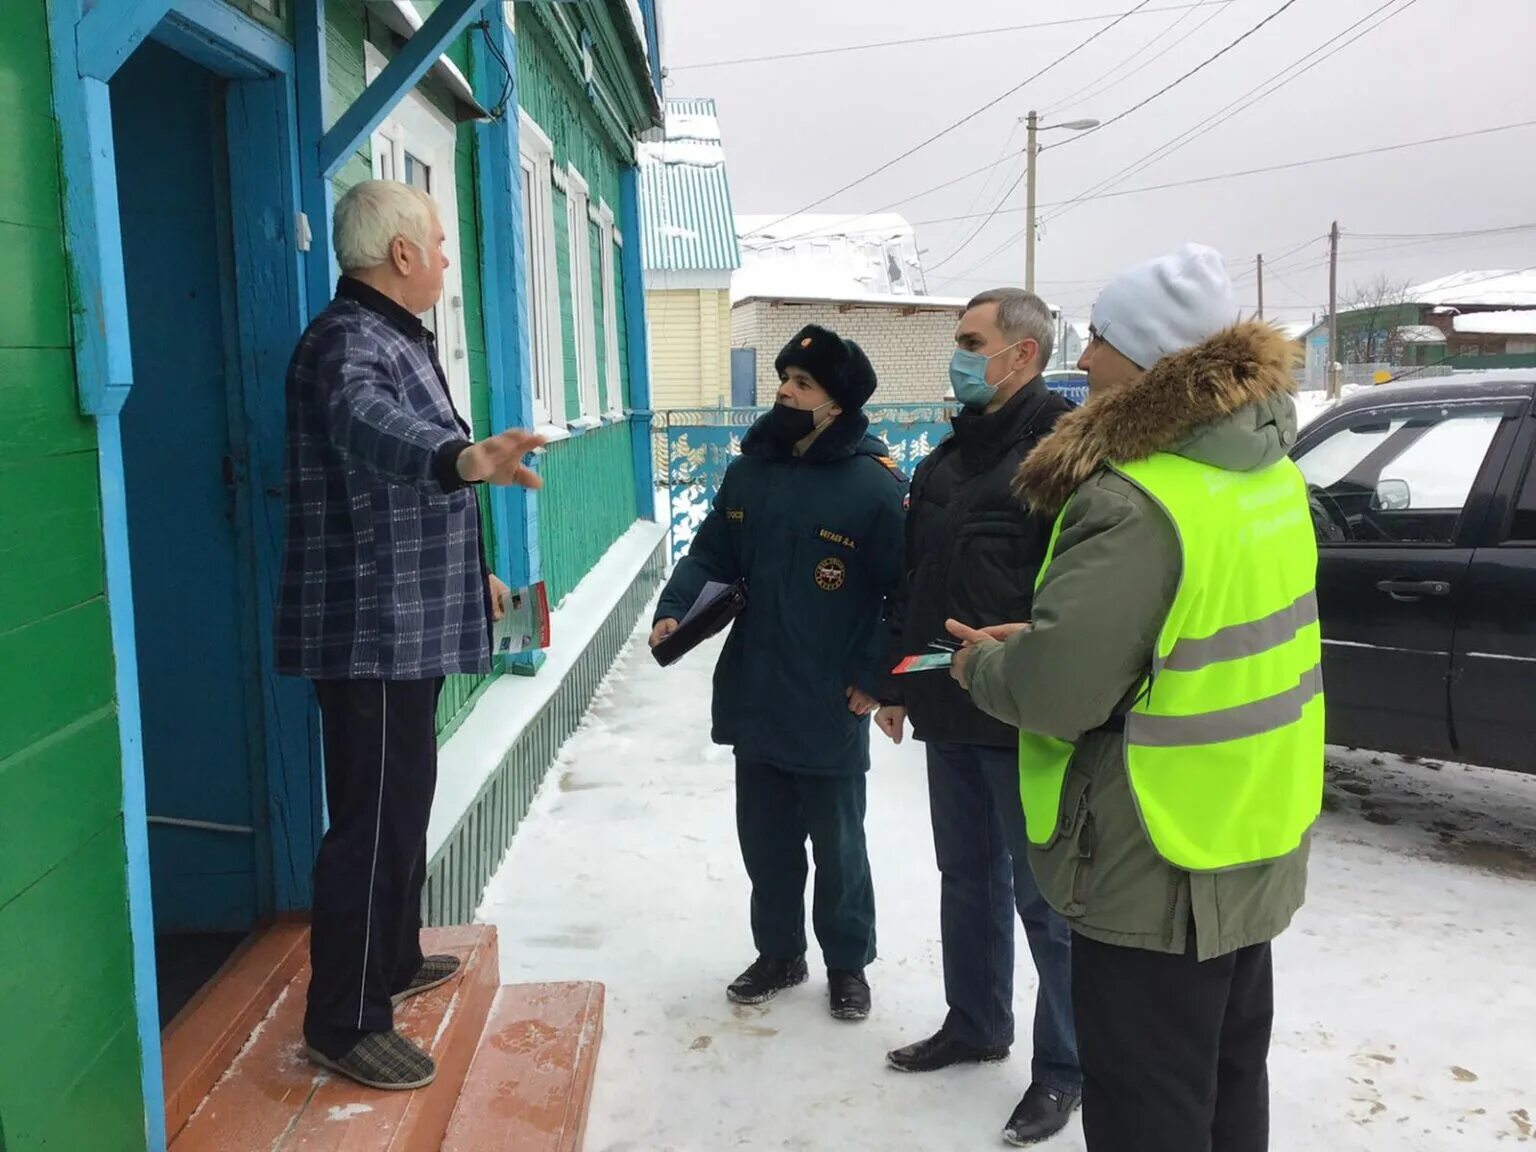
{"points": [[686, 221]]}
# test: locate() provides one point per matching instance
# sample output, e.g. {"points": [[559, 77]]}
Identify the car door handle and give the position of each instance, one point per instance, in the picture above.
{"points": [[1407, 591]]}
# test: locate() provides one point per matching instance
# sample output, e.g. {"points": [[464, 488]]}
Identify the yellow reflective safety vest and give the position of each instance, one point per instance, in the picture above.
{"points": [[1224, 746]]}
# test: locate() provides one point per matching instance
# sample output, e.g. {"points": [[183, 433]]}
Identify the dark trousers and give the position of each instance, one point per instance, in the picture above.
{"points": [[776, 812], [380, 772], [979, 839], [1174, 1051]]}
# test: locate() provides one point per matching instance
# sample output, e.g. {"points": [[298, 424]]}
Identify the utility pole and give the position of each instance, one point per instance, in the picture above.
{"points": [[1031, 155], [1029, 203], [1261, 285], [1333, 311]]}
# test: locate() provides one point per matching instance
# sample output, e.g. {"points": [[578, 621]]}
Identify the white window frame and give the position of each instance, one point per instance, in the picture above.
{"points": [[613, 377], [578, 207], [536, 157], [417, 126]]}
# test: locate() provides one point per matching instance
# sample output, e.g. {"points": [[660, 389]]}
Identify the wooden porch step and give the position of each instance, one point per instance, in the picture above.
{"points": [[272, 1098], [530, 1086], [204, 1038]]}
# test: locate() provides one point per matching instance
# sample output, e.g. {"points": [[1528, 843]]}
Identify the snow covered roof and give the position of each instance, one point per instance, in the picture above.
{"points": [[829, 257], [1462, 289], [1294, 329], [865, 299], [685, 195], [1519, 322], [1420, 334]]}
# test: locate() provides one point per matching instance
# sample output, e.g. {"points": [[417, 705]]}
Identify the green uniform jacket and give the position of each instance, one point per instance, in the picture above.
{"points": [[1096, 619], [818, 539]]}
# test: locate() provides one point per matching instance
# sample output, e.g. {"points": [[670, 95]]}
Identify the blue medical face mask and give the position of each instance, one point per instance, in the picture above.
{"points": [[968, 375]]}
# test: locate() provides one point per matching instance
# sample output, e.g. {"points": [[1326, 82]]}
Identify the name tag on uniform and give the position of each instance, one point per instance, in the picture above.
{"points": [[837, 538]]}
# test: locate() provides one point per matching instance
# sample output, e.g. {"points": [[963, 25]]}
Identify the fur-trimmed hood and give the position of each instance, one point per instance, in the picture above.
{"points": [[1226, 402]]}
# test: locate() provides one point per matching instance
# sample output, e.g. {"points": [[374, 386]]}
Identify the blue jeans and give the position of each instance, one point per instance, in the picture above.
{"points": [[979, 839]]}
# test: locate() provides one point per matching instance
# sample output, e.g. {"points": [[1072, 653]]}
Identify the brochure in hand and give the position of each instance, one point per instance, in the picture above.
{"points": [[526, 624], [928, 662]]}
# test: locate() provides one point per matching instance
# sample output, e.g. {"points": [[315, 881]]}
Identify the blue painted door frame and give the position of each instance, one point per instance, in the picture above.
{"points": [[86, 49]]}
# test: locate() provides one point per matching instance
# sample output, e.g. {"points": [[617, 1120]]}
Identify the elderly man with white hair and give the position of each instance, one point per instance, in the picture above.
{"points": [[385, 591]]}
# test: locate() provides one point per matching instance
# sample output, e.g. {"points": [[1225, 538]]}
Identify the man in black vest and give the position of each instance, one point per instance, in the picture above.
{"points": [[972, 553]]}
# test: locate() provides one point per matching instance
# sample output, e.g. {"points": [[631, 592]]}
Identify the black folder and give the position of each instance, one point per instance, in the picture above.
{"points": [[715, 608]]}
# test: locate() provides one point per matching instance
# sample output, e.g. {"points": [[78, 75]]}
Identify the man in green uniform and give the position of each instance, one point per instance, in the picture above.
{"points": [[810, 516]]}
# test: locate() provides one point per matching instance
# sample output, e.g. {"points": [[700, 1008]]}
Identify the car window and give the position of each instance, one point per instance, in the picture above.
{"points": [[1403, 480], [1441, 467], [1329, 462]]}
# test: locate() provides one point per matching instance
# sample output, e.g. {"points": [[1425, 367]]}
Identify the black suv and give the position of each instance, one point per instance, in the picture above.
{"points": [[1424, 498]]}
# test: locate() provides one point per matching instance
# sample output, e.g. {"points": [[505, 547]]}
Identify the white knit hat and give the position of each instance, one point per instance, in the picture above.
{"points": [[1165, 305]]}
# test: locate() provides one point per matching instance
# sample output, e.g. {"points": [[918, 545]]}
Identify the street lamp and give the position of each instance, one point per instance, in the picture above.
{"points": [[1031, 151]]}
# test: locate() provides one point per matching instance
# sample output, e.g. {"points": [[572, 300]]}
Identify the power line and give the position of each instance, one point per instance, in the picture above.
{"points": [[1257, 171], [964, 119], [1286, 283], [1121, 77], [1272, 262], [990, 216], [1171, 86], [1263, 90], [1115, 119], [985, 184], [936, 38], [1264, 170], [1442, 235], [745, 240]]}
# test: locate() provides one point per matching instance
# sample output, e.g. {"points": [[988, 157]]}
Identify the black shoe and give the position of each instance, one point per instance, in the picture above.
{"points": [[941, 1051], [766, 978], [847, 994], [1040, 1115]]}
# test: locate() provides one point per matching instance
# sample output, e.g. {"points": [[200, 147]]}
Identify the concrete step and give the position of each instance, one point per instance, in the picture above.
{"points": [[530, 1086]]}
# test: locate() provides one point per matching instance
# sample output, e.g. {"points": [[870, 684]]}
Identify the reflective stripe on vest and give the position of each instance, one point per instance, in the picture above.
{"points": [[1224, 747]]}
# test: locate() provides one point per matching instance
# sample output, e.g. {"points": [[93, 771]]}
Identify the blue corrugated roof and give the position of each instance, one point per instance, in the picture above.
{"points": [[685, 196]]}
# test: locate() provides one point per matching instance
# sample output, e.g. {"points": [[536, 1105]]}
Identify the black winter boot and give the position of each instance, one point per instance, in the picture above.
{"points": [[847, 994], [766, 978]]}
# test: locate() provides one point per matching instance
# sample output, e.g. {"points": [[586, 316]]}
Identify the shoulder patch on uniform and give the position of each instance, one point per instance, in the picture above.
{"points": [[890, 466]]}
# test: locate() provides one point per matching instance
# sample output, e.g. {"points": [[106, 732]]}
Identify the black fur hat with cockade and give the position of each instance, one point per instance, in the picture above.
{"points": [[838, 365]]}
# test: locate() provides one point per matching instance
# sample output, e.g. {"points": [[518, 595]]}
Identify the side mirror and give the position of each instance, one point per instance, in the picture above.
{"points": [[1392, 496]]}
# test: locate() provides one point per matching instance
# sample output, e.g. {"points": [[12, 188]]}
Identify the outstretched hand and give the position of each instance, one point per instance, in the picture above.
{"points": [[499, 460]]}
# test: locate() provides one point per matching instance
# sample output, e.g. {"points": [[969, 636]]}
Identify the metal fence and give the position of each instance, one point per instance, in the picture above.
{"points": [[699, 443]]}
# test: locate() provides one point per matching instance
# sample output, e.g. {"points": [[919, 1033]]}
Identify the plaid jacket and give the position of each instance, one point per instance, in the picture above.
{"points": [[383, 574]]}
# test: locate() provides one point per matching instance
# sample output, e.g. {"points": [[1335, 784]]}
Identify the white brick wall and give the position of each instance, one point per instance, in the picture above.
{"points": [[910, 352]]}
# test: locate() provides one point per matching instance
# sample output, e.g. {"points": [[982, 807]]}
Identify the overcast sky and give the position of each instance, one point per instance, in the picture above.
{"points": [[795, 130]]}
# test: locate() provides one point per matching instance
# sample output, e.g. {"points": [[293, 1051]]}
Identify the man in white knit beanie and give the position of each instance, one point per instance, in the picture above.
{"points": [[1168, 696]]}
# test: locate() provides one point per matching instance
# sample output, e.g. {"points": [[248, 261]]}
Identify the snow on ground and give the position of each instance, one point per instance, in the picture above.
{"points": [[1405, 989]]}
